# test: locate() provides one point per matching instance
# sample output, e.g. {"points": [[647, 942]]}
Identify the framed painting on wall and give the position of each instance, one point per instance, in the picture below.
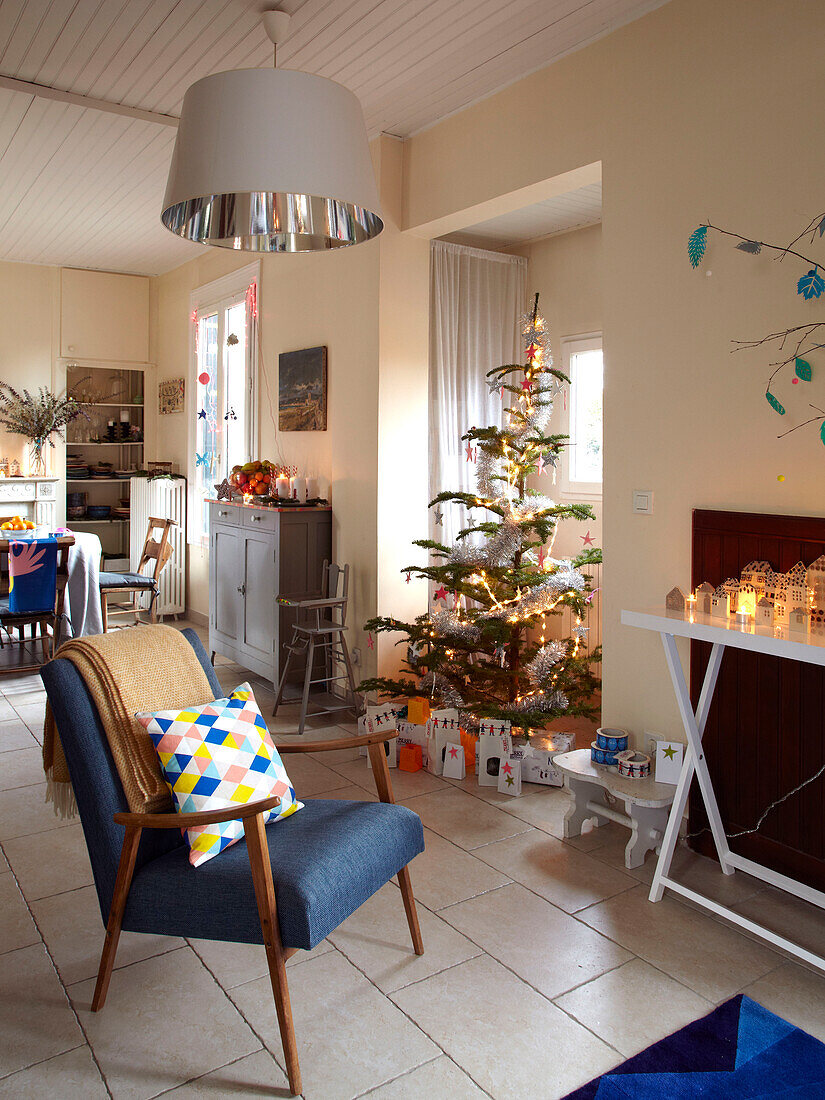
{"points": [[302, 390], [170, 395]]}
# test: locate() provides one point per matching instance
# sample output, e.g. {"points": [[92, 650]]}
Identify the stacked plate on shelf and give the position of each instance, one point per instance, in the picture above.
{"points": [[103, 469], [98, 511], [76, 468]]}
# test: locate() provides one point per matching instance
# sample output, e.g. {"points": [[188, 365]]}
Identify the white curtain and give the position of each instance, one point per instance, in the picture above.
{"points": [[476, 302]]}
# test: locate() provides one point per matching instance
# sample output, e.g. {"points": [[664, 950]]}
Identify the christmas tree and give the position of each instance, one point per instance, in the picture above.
{"points": [[484, 650]]}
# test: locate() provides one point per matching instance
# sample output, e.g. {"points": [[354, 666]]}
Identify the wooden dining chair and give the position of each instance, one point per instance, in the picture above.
{"points": [[114, 586], [286, 885], [43, 626]]}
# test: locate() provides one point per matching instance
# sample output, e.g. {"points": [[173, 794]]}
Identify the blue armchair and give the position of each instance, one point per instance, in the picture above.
{"points": [[327, 860]]}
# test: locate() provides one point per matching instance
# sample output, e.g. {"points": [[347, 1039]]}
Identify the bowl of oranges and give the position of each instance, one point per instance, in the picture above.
{"points": [[17, 523]]}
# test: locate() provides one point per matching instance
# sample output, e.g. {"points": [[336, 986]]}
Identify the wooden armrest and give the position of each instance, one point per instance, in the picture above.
{"points": [[343, 743], [205, 817]]}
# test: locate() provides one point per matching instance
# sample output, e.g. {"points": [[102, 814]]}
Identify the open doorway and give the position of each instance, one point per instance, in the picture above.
{"points": [[560, 236]]}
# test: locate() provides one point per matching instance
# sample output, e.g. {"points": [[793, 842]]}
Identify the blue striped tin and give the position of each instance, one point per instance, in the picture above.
{"points": [[598, 755], [614, 740]]}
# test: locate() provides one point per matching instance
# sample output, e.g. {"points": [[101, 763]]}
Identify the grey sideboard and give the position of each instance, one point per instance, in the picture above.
{"points": [[255, 555]]}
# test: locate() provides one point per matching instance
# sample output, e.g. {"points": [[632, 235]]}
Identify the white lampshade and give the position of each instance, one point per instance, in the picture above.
{"points": [[271, 160]]}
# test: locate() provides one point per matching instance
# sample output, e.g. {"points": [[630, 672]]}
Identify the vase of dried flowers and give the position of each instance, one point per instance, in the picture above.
{"points": [[38, 417]]}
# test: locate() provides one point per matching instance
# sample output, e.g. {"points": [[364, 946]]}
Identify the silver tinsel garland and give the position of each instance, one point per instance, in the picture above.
{"points": [[466, 554], [501, 549], [433, 682], [520, 509], [543, 596], [540, 669], [535, 333], [449, 624], [543, 701], [486, 470]]}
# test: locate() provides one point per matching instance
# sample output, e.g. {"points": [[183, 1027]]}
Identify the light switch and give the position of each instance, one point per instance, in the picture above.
{"points": [[643, 502]]}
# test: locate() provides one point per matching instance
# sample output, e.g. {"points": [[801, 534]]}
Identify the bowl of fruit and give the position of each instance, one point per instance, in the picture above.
{"points": [[253, 478], [17, 523]]}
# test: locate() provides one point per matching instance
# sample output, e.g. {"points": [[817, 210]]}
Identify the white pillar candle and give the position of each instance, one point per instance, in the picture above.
{"points": [[299, 488], [282, 484]]}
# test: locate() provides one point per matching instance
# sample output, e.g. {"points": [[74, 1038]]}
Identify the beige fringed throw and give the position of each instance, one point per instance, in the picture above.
{"points": [[138, 669]]}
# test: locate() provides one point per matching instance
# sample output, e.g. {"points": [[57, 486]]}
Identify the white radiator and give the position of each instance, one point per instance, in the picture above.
{"points": [[162, 499]]}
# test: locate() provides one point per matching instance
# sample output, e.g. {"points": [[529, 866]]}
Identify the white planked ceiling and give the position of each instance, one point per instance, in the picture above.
{"points": [[571, 210], [83, 188]]}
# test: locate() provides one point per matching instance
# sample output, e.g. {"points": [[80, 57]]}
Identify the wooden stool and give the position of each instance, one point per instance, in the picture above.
{"points": [[647, 803]]}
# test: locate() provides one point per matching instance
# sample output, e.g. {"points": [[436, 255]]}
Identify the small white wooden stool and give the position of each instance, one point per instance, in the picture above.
{"points": [[647, 803]]}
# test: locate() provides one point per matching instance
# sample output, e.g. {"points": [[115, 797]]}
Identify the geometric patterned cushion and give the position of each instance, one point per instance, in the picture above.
{"points": [[217, 755]]}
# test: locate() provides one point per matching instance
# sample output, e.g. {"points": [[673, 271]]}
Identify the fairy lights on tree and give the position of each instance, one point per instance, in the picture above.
{"points": [[483, 647]]}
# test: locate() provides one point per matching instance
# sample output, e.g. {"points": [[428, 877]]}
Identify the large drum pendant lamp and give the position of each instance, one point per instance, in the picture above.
{"points": [[271, 160]]}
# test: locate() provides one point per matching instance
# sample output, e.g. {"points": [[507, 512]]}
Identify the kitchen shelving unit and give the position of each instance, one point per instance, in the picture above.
{"points": [[108, 392]]}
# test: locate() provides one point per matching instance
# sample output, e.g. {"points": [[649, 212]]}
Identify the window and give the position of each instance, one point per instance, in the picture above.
{"points": [[583, 365], [223, 385]]}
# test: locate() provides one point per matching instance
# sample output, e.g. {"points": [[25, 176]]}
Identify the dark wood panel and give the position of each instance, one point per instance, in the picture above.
{"points": [[766, 727]]}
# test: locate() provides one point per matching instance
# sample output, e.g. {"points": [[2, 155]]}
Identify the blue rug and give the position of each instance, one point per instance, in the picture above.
{"points": [[739, 1051]]}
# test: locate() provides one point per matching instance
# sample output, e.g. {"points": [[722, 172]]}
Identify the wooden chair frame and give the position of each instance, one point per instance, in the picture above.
{"points": [[159, 552], [254, 832], [20, 622]]}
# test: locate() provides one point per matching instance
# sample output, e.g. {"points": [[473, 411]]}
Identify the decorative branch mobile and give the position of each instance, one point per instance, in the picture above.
{"points": [[794, 343]]}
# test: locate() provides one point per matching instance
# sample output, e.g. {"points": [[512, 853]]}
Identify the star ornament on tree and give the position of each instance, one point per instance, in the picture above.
{"points": [[586, 539], [441, 594], [541, 465]]}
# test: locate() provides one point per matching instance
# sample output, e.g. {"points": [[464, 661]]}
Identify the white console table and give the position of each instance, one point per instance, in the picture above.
{"points": [[776, 641], [34, 496]]}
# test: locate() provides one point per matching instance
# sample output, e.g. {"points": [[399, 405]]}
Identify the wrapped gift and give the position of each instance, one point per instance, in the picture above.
{"points": [[410, 758], [412, 735], [379, 720], [418, 710], [443, 728], [470, 744], [454, 762], [509, 776], [538, 768]]}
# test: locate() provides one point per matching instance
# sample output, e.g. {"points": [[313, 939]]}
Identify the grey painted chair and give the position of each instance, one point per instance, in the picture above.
{"points": [[286, 886], [319, 631]]}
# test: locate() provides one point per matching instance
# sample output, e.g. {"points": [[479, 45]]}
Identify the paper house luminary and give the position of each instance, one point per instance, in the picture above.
{"points": [[676, 600], [764, 612], [720, 604], [746, 599], [703, 594], [817, 621], [731, 586], [815, 580], [798, 620], [493, 741], [454, 762], [756, 574]]}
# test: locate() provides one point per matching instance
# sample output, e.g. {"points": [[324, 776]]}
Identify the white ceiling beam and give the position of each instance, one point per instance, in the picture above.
{"points": [[42, 91]]}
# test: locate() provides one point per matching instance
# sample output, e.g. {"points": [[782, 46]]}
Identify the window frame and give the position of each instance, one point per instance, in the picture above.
{"points": [[216, 297], [570, 489]]}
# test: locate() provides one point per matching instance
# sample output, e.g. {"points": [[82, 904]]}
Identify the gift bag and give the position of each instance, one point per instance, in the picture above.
{"points": [[454, 762], [509, 776], [411, 735], [379, 720], [443, 728]]}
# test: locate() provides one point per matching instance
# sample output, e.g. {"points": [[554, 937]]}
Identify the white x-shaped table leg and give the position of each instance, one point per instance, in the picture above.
{"points": [[694, 762]]}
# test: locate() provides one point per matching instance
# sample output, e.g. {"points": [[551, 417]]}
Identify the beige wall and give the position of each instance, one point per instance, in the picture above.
{"points": [[31, 302], [695, 112], [304, 301], [567, 273]]}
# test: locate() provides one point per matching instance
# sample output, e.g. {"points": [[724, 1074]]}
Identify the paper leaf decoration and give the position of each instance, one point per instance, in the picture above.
{"points": [[774, 404], [811, 285], [752, 247], [803, 369], [697, 243], [822, 432], [822, 226]]}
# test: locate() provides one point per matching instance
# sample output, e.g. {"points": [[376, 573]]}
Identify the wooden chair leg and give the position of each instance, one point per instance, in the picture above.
{"points": [[126, 868], [255, 834], [409, 908], [307, 683], [104, 612]]}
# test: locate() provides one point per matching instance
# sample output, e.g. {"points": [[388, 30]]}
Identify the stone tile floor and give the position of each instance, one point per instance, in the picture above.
{"points": [[544, 965]]}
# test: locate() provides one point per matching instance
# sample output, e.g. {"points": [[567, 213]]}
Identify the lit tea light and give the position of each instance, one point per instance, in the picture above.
{"points": [[743, 617], [247, 498]]}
